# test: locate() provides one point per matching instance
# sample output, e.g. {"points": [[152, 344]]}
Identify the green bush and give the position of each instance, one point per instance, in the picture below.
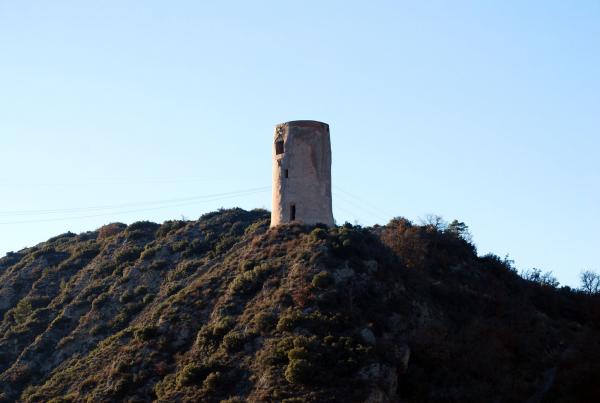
{"points": [[298, 353], [265, 321], [128, 254], [249, 281], [144, 226], [314, 320], [127, 296], [165, 387], [223, 325], [169, 226], [146, 333], [100, 300], [196, 248], [179, 246], [322, 280], [22, 311], [150, 251], [299, 371], [148, 298], [191, 374], [211, 383], [234, 341], [318, 234]]}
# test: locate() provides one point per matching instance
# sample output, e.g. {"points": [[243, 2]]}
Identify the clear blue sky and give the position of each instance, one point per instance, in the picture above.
{"points": [[488, 112]]}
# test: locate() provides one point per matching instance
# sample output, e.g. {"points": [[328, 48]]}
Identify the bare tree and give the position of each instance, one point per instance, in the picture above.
{"points": [[590, 282], [545, 279], [434, 221]]}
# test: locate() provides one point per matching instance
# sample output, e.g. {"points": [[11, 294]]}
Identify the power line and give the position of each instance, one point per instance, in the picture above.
{"points": [[363, 201], [114, 181], [361, 207], [122, 205], [237, 194]]}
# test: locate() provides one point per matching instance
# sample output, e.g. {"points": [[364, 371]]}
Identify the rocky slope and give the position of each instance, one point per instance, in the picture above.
{"points": [[223, 309]]}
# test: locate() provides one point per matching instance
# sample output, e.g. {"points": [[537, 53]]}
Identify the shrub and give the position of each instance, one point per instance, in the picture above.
{"points": [[223, 325], [148, 298], [265, 321], [100, 300], [146, 226], [211, 383], [169, 226], [297, 353], [322, 280], [299, 371], [127, 254], [164, 388], [543, 279], [150, 251], [318, 234], [255, 227], [233, 341], [179, 246], [109, 230], [146, 333], [247, 265], [196, 248], [22, 311], [225, 243], [127, 296], [248, 281], [190, 374], [214, 332], [314, 320], [87, 252]]}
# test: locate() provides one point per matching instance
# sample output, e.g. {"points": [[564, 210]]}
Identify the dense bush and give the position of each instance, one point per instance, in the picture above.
{"points": [[322, 280], [128, 254], [234, 341], [192, 374], [146, 333], [299, 371], [249, 281]]}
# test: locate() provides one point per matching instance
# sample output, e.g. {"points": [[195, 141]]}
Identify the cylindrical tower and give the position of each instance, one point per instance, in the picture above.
{"points": [[302, 173]]}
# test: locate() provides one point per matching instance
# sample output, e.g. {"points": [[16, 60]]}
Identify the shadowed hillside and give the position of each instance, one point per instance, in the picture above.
{"points": [[224, 310]]}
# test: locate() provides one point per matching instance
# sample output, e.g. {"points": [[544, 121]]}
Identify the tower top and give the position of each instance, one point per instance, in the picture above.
{"points": [[305, 123]]}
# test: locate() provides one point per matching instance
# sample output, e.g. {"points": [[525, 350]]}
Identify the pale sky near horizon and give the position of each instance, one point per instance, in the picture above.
{"points": [[488, 112]]}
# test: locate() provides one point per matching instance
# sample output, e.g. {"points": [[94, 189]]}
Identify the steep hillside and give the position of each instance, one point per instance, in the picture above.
{"points": [[223, 309]]}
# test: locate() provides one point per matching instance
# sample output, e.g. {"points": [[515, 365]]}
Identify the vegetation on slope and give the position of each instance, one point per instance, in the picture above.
{"points": [[223, 309]]}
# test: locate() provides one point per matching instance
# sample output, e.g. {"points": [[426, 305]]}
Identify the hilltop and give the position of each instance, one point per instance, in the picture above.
{"points": [[224, 309]]}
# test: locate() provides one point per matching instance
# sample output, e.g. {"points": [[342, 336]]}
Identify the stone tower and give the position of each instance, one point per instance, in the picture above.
{"points": [[302, 173]]}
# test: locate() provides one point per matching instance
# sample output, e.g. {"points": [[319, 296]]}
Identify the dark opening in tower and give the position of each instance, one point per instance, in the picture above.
{"points": [[279, 146], [292, 212]]}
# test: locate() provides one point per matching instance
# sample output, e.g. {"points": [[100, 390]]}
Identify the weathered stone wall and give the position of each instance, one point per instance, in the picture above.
{"points": [[302, 174]]}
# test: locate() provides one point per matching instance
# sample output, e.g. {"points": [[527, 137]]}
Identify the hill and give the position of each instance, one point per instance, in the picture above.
{"points": [[223, 309]]}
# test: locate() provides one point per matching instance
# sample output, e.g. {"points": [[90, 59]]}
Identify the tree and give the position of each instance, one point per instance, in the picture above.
{"points": [[434, 221], [590, 282], [544, 279], [460, 230]]}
